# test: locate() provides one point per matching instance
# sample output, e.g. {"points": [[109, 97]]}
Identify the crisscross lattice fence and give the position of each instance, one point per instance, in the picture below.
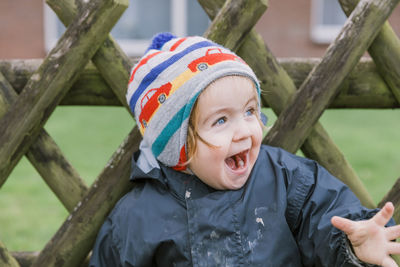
{"points": [[30, 91]]}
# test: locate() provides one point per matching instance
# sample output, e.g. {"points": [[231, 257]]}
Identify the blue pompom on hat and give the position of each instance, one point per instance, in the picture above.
{"points": [[159, 40], [165, 84]]}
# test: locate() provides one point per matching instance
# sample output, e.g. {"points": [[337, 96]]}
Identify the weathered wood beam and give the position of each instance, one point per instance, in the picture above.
{"points": [[362, 88], [322, 85], [212, 7], [56, 171], [277, 88], [75, 238], [6, 258], [385, 50], [394, 197], [230, 31], [24, 259], [20, 126], [47, 158], [110, 60], [89, 89]]}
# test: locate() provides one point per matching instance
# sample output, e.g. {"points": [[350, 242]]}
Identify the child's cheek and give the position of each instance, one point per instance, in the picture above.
{"points": [[217, 138], [258, 132]]}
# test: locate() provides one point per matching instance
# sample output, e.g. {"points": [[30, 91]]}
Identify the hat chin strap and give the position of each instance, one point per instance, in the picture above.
{"points": [[146, 161]]}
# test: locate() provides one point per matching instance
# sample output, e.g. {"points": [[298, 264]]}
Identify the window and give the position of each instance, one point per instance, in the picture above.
{"points": [[141, 21], [327, 19]]}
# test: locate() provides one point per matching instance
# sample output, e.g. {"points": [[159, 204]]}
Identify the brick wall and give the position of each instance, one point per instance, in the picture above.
{"points": [[285, 27], [21, 29]]}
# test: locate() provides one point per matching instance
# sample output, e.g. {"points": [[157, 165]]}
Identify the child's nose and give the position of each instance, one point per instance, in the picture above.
{"points": [[242, 130]]}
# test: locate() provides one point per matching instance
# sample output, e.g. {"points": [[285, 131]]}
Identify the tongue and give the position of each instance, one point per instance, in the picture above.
{"points": [[231, 163]]}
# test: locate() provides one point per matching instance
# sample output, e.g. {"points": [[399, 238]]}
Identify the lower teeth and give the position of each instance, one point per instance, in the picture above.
{"points": [[241, 163]]}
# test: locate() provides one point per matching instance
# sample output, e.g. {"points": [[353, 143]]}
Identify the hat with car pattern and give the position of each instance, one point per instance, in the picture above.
{"points": [[165, 84]]}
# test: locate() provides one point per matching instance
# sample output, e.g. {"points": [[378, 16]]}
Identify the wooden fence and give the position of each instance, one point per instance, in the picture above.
{"points": [[297, 90]]}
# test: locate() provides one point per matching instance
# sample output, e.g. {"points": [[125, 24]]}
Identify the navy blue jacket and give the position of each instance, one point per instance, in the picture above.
{"points": [[281, 217]]}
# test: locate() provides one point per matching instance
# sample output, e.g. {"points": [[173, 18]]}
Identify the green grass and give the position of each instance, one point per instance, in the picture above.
{"points": [[370, 141], [31, 214]]}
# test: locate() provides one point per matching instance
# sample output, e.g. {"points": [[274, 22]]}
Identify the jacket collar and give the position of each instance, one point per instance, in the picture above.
{"points": [[138, 173], [181, 184]]}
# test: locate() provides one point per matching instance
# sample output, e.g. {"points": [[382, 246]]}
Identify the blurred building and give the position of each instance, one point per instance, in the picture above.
{"points": [[301, 28]]}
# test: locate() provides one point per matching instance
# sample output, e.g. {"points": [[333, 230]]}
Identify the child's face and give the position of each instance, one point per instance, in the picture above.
{"points": [[227, 119]]}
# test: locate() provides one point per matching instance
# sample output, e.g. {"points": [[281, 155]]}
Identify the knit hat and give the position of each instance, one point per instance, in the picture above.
{"points": [[165, 84]]}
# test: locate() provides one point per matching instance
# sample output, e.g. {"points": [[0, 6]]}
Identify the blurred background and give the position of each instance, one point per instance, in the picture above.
{"points": [[301, 28], [30, 213]]}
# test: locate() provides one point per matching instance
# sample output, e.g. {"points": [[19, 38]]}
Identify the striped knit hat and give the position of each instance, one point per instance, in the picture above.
{"points": [[165, 84]]}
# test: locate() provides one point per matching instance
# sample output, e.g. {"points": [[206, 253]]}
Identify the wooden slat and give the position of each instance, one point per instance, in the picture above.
{"points": [[319, 89], [362, 88], [110, 60], [61, 177], [89, 89], [47, 158], [6, 259], [230, 31], [73, 241], [20, 126], [385, 50], [24, 259]]}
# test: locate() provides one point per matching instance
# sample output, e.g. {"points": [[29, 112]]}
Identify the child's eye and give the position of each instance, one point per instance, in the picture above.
{"points": [[220, 121], [250, 111]]}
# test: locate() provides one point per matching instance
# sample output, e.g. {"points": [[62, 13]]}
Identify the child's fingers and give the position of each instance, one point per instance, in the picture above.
{"points": [[343, 224], [389, 262], [393, 232], [384, 215], [393, 248]]}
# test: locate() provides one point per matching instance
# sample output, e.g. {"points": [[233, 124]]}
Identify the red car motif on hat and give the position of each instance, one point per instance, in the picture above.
{"points": [[155, 97], [151, 101], [213, 56]]}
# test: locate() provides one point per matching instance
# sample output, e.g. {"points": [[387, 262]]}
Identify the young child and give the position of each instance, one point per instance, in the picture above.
{"points": [[209, 194]]}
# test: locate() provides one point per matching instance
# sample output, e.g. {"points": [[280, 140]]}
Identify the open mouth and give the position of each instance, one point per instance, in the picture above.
{"points": [[237, 161]]}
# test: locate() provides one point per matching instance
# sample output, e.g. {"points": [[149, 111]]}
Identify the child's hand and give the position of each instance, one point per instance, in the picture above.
{"points": [[371, 240]]}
